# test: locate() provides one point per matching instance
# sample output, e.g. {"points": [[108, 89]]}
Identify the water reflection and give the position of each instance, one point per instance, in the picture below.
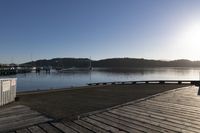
{"points": [[34, 81]]}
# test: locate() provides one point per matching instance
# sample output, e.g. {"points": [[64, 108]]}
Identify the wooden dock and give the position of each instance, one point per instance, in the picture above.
{"points": [[187, 82], [19, 116], [175, 111]]}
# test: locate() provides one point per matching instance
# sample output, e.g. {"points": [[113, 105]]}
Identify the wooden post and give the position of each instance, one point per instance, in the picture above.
{"points": [[133, 82], [199, 91], [198, 84], [113, 83], [161, 82]]}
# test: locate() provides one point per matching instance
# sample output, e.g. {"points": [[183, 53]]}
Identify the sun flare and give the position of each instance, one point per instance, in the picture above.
{"points": [[189, 41], [192, 36]]}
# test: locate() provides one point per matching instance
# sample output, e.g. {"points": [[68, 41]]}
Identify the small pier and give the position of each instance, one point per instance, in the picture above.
{"points": [[46, 69], [13, 71], [172, 111], [189, 82], [4, 72]]}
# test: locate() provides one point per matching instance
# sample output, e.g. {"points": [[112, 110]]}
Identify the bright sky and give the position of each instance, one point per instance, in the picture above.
{"points": [[152, 29]]}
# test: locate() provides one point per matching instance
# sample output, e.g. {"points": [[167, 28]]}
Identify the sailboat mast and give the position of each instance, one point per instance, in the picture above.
{"points": [[90, 64]]}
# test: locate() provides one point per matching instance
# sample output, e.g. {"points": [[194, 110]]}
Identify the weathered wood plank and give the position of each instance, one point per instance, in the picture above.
{"points": [[145, 119], [136, 122], [180, 102], [175, 106], [179, 122], [171, 111], [77, 128], [91, 127], [18, 117], [12, 107], [166, 122], [36, 129], [101, 125], [49, 128], [171, 106], [13, 110], [63, 128], [116, 124], [24, 123], [15, 113], [128, 124], [23, 131]]}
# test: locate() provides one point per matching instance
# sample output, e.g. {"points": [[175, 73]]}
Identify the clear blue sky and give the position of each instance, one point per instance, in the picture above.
{"points": [[153, 29]]}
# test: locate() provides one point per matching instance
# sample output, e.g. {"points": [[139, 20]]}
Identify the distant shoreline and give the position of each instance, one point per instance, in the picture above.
{"points": [[111, 62]]}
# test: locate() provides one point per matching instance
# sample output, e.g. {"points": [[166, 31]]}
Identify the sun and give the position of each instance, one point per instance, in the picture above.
{"points": [[189, 41], [192, 36]]}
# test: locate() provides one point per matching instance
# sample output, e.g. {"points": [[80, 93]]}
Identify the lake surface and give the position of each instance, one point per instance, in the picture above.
{"points": [[54, 80]]}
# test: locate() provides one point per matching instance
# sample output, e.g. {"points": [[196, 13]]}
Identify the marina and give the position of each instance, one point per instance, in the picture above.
{"points": [[99, 66], [5, 72]]}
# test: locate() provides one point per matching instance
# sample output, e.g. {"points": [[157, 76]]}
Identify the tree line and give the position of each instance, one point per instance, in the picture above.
{"points": [[113, 62]]}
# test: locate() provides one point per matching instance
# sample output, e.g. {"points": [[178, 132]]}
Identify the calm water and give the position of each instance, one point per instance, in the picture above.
{"points": [[33, 81]]}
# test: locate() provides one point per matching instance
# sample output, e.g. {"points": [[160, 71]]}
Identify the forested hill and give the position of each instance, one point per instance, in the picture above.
{"points": [[114, 62]]}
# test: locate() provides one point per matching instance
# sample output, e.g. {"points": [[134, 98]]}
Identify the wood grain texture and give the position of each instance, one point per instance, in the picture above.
{"points": [[19, 116]]}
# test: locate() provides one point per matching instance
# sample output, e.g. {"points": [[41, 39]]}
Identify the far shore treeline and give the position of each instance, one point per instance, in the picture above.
{"points": [[113, 62]]}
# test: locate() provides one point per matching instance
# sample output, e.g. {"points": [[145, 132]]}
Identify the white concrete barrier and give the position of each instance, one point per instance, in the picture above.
{"points": [[7, 90]]}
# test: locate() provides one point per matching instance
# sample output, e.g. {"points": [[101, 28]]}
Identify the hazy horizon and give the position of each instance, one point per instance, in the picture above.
{"points": [[149, 29]]}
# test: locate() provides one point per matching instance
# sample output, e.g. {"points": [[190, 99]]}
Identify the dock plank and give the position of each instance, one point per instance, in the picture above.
{"points": [[63, 127], [49, 128], [168, 123], [101, 125], [19, 116], [171, 116], [23, 131], [173, 113], [131, 127], [145, 120], [136, 122], [186, 125], [91, 127], [36, 129], [77, 127], [117, 124], [23, 123]]}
